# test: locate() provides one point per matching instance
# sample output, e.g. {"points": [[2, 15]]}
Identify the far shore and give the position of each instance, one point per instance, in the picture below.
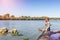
{"points": [[12, 17], [32, 20]]}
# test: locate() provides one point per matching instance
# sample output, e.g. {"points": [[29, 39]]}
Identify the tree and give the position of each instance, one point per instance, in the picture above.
{"points": [[6, 16], [12, 17]]}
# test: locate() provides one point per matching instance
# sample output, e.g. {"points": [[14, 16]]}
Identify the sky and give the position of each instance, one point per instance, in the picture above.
{"points": [[50, 8]]}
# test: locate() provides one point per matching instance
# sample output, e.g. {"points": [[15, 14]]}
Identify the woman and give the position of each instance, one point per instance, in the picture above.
{"points": [[45, 32], [47, 24], [54, 35]]}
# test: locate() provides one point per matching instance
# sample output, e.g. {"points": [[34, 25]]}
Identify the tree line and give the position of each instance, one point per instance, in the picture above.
{"points": [[12, 17]]}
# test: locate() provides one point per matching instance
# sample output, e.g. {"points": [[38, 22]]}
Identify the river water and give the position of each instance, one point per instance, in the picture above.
{"points": [[27, 28]]}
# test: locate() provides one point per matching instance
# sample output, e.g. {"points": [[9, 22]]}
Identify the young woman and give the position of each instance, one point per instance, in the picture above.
{"points": [[47, 24], [52, 35], [45, 32]]}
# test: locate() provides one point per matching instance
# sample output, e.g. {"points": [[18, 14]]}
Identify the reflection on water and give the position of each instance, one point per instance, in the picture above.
{"points": [[27, 28]]}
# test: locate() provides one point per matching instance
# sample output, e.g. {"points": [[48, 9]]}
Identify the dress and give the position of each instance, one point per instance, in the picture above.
{"points": [[47, 24], [54, 36]]}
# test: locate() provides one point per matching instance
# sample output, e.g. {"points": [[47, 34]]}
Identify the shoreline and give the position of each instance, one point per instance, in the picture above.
{"points": [[13, 17], [41, 19]]}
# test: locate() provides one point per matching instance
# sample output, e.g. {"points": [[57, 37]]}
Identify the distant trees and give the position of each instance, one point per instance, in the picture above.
{"points": [[7, 16], [12, 17], [31, 18]]}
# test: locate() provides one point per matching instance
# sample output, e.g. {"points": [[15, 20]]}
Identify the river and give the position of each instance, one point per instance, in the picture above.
{"points": [[29, 28]]}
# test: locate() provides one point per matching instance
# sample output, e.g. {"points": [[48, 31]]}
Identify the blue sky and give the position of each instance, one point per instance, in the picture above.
{"points": [[49, 8]]}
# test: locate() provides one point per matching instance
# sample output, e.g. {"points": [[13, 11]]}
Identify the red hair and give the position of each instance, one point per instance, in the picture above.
{"points": [[47, 19]]}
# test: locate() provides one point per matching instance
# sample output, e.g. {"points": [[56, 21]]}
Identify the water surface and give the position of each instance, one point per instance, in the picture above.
{"points": [[27, 28]]}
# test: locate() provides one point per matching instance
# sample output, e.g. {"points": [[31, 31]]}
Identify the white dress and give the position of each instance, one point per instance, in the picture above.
{"points": [[47, 26]]}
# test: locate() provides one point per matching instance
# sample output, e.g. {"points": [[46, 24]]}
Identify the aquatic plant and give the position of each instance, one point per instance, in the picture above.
{"points": [[17, 34], [20, 34], [26, 38]]}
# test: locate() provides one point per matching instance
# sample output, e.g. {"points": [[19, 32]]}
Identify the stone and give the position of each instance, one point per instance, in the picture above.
{"points": [[13, 32], [3, 30]]}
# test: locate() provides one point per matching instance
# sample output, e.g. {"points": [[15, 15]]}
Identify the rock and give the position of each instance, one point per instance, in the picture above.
{"points": [[3, 30], [44, 36], [13, 32]]}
